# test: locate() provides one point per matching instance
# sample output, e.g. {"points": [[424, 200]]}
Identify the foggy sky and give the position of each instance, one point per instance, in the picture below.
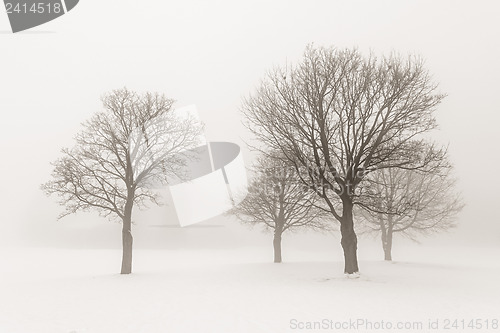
{"points": [[213, 53]]}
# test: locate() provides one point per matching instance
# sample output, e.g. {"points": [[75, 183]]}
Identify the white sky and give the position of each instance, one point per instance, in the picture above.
{"points": [[211, 53]]}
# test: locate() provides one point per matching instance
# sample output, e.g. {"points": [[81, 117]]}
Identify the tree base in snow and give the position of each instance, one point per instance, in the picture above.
{"points": [[354, 275]]}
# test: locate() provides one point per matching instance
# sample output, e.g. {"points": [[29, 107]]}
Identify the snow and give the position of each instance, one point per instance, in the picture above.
{"points": [[238, 289]]}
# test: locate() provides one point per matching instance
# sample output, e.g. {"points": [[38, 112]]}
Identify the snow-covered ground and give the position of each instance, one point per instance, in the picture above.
{"points": [[237, 289]]}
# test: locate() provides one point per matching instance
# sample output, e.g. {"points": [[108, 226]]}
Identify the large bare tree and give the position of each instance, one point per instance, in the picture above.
{"points": [[122, 153], [337, 115], [278, 200], [409, 202]]}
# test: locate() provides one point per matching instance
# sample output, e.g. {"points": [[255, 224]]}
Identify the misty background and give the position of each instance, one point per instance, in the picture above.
{"points": [[212, 54]]}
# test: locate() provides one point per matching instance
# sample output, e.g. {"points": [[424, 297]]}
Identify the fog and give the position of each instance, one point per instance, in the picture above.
{"points": [[212, 54]]}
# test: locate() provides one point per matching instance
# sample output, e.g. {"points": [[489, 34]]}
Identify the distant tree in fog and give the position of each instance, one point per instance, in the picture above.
{"points": [[278, 200], [135, 141], [409, 202]]}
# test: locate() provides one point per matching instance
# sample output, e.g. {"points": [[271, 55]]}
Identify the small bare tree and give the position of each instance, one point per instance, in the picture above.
{"points": [[278, 200], [409, 202], [137, 141], [337, 115]]}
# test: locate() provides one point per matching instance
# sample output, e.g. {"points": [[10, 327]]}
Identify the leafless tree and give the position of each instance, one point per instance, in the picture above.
{"points": [[409, 202], [337, 115], [278, 200], [121, 154]]}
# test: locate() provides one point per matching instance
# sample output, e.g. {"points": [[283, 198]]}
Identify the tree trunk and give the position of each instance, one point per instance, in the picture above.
{"points": [[386, 236], [127, 239], [388, 246], [277, 246], [349, 240]]}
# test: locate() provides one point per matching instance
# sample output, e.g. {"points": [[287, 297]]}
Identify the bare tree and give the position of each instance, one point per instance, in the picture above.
{"points": [[409, 202], [337, 115], [278, 200], [122, 152]]}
